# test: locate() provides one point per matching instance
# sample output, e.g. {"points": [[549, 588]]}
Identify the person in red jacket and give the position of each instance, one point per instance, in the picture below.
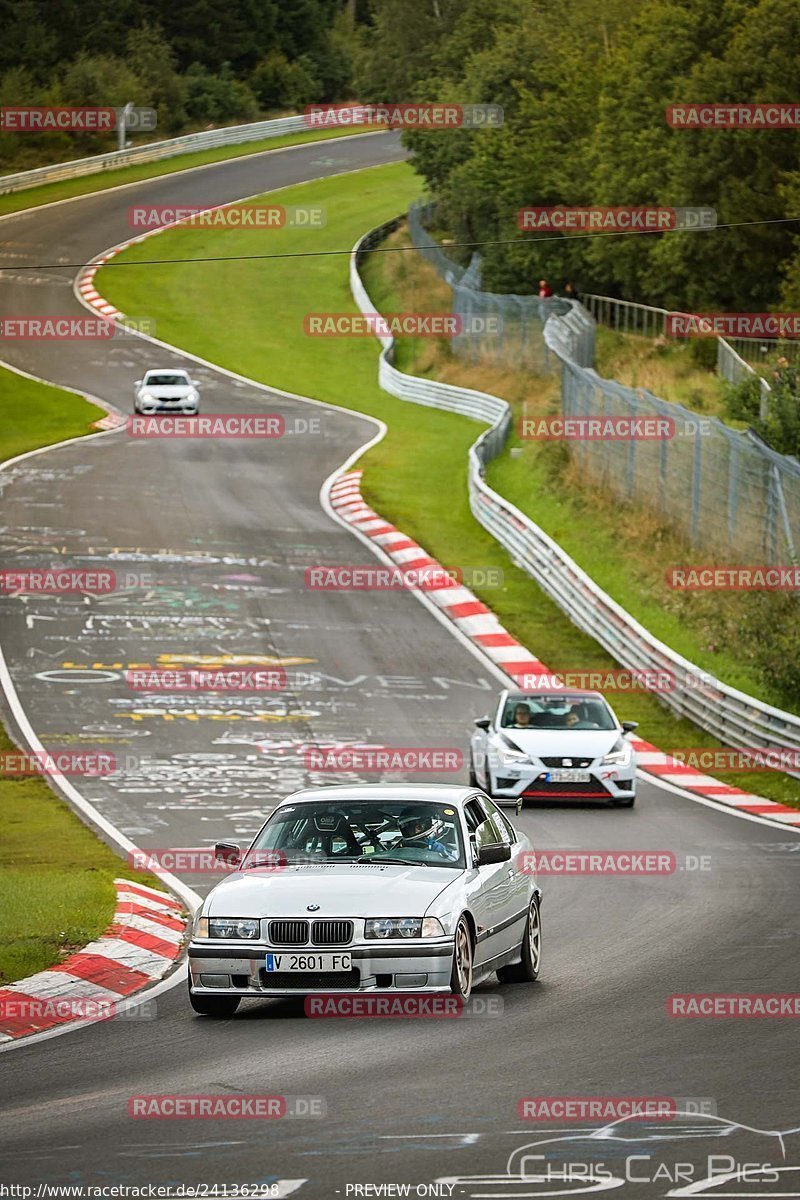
{"points": [[545, 291]]}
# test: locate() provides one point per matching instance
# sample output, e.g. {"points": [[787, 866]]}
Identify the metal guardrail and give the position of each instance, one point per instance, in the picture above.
{"points": [[627, 316], [152, 152], [730, 715], [732, 367], [721, 490]]}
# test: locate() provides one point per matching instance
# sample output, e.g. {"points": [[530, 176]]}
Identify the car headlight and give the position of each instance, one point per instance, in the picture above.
{"points": [[619, 754], [236, 928], [402, 927], [146, 396], [509, 756]]}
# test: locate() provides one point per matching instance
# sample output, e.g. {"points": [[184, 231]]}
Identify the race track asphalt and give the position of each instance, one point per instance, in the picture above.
{"points": [[216, 536]]}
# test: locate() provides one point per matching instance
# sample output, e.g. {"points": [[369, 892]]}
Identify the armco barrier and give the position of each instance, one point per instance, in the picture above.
{"points": [[732, 716], [152, 152]]}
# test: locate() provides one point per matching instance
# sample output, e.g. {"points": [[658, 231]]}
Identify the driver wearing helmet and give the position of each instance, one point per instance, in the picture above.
{"points": [[420, 831]]}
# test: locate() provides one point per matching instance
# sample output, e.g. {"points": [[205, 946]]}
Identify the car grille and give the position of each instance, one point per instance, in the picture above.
{"points": [[310, 981], [323, 933], [588, 791], [331, 933], [288, 933], [566, 762]]}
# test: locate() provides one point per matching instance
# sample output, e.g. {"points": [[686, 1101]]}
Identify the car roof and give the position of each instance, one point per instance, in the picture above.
{"points": [[556, 694], [167, 371], [443, 793]]}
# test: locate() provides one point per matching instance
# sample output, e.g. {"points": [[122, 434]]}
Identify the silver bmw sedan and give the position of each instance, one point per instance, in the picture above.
{"points": [[369, 889]]}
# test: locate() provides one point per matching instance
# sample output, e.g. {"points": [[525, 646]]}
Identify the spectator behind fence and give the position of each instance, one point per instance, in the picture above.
{"points": [[545, 291], [571, 292]]}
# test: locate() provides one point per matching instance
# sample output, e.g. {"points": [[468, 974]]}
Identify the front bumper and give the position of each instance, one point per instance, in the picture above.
{"points": [[240, 970], [160, 408], [532, 783]]}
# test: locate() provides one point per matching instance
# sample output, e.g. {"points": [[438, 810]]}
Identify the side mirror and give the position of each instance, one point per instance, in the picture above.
{"points": [[228, 853], [629, 726], [137, 383], [483, 723], [497, 852]]}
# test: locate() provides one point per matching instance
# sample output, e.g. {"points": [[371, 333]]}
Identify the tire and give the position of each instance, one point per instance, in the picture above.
{"points": [[628, 802], [461, 975], [527, 970], [213, 1006]]}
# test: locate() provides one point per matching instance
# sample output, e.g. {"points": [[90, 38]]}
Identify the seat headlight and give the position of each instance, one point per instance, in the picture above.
{"points": [[384, 928], [619, 754], [241, 929], [507, 756]]}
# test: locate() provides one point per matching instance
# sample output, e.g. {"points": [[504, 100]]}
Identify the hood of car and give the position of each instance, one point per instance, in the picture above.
{"points": [[172, 391], [562, 743], [340, 890]]}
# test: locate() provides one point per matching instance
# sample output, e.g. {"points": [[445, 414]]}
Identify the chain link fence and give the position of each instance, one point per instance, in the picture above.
{"points": [[733, 716], [726, 492], [497, 327]]}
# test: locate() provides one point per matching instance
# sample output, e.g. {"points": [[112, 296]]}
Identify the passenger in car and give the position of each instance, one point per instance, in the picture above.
{"points": [[521, 717]]}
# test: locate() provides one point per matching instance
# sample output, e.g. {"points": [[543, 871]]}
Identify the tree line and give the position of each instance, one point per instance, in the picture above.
{"points": [[584, 88], [198, 62]]}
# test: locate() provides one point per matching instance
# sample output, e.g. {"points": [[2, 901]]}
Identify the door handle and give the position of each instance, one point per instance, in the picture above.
{"points": [[510, 873]]}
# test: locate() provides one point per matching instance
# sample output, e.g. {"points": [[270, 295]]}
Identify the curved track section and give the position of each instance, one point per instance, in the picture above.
{"points": [[216, 537]]}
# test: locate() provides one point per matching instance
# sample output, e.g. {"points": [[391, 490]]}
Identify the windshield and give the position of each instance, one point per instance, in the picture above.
{"points": [[425, 834], [557, 712], [162, 380]]}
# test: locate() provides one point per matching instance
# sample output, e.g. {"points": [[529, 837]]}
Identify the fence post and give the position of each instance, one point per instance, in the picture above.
{"points": [[733, 487], [696, 479], [787, 529]]}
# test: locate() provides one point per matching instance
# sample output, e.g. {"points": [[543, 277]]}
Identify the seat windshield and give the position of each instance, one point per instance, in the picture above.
{"points": [[557, 712], [423, 834], [162, 380]]}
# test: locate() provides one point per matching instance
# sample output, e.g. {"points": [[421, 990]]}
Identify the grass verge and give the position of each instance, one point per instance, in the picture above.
{"points": [[416, 477], [34, 414], [57, 879], [665, 367], [85, 185]]}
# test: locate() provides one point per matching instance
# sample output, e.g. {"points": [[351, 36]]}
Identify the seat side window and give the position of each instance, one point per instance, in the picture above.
{"points": [[504, 827], [474, 814]]}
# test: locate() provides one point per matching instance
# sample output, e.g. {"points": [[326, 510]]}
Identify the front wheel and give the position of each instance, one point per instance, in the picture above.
{"points": [[625, 802], [461, 975], [527, 970]]}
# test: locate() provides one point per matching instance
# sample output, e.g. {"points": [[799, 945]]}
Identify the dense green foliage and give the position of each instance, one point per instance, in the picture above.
{"points": [[200, 62], [584, 88], [780, 426]]}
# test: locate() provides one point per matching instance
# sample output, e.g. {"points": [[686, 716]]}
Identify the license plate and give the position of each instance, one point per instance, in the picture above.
{"points": [[568, 777], [309, 962]]}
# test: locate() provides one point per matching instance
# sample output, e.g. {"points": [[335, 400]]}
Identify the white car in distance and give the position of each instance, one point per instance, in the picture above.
{"points": [[166, 390]]}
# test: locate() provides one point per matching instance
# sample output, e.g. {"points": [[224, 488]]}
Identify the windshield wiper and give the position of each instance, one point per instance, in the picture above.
{"points": [[400, 862]]}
